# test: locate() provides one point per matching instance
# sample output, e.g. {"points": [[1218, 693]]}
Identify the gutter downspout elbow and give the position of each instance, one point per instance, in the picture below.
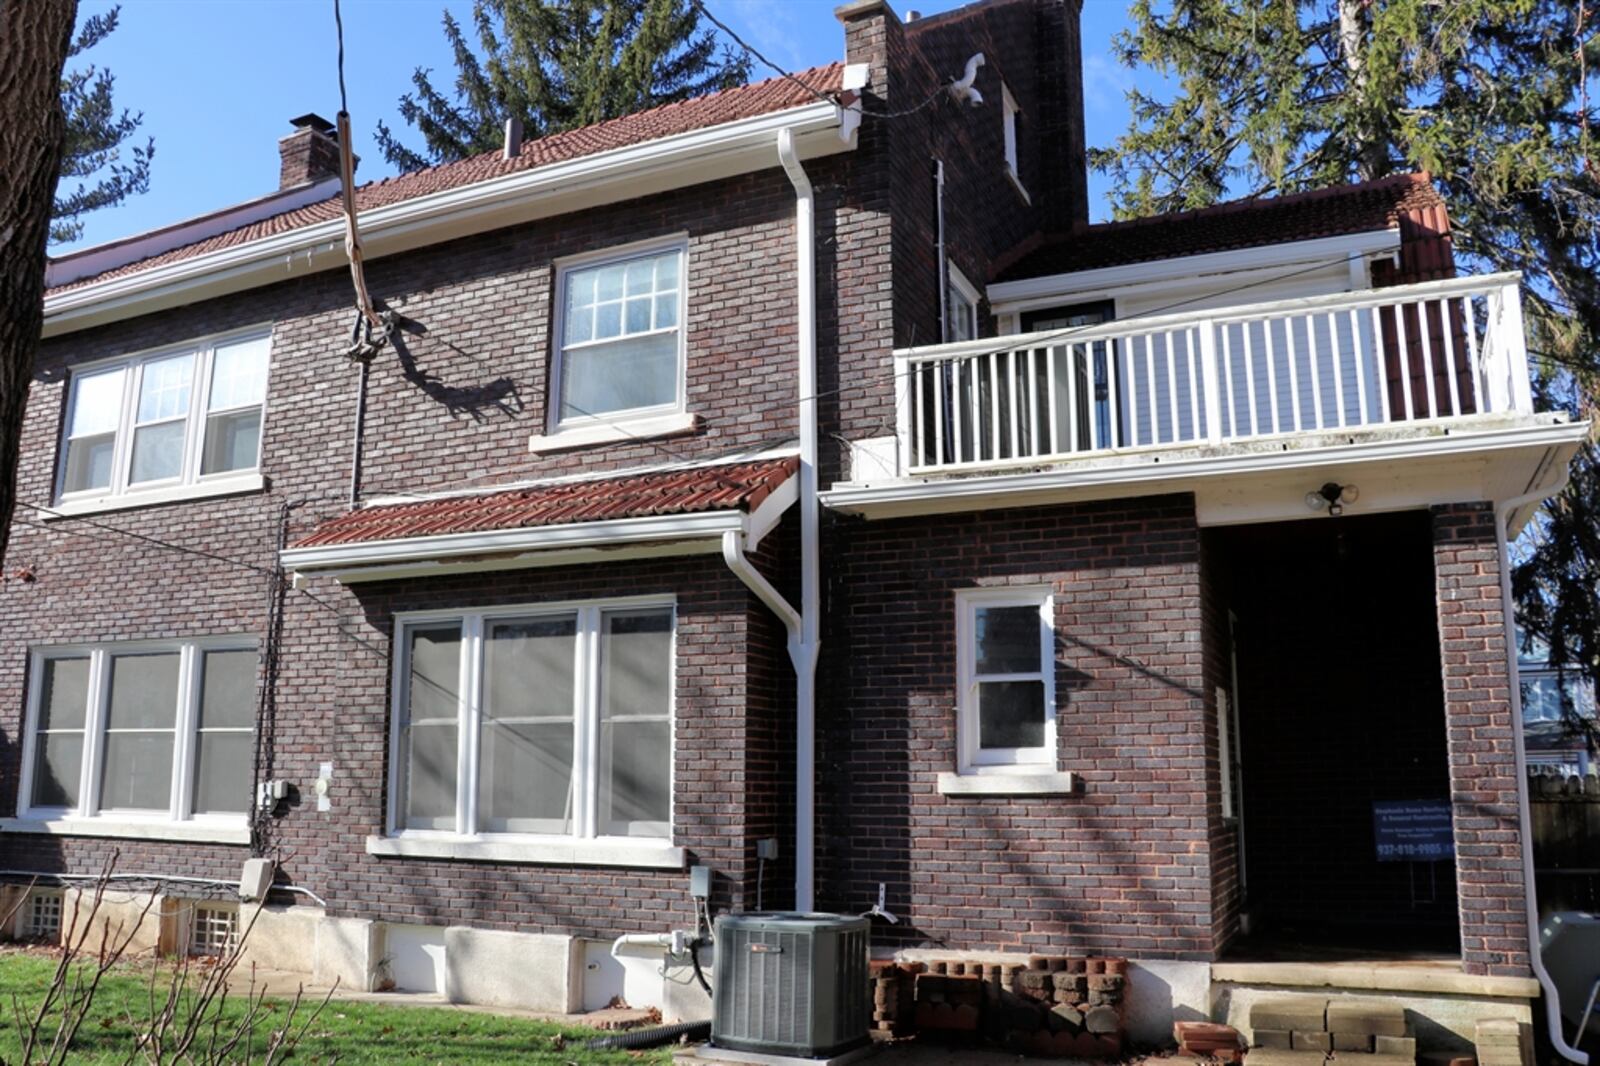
{"points": [[1503, 510], [805, 656]]}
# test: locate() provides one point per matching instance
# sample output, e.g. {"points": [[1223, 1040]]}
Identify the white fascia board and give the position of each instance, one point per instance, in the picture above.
{"points": [[100, 258], [1157, 475], [1008, 295], [624, 173], [613, 533]]}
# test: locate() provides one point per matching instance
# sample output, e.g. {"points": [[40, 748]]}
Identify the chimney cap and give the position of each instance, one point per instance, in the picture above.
{"points": [[311, 121]]}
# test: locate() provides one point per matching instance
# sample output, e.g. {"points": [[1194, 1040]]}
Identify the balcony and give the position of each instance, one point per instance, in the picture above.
{"points": [[1430, 355]]}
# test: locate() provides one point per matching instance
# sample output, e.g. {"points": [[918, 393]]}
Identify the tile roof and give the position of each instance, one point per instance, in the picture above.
{"points": [[733, 486], [713, 109], [1330, 212]]}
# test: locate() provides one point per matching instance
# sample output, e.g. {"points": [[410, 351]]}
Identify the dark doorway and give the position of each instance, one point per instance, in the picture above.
{"points": [[1341, 732]]}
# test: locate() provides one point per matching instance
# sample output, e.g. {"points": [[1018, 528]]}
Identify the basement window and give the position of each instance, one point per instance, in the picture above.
{"points": [[552, 722], [141, 733], [41, 916], [1005, 661], [213, 929], [621, 341], [169, 420]]}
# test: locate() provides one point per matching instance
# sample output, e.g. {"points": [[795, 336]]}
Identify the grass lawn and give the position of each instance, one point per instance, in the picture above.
{"points": [[346, 1032]]}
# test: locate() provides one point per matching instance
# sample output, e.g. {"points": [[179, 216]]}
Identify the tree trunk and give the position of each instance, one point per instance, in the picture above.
{"points": [[1372, 153], [34, 37]]}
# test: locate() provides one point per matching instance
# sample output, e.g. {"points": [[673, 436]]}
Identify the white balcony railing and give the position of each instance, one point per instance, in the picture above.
{"points": [[1436, 350]]}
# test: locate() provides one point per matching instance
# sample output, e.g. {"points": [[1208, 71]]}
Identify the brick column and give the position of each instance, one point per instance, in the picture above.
{"points": [[1473, 632]]}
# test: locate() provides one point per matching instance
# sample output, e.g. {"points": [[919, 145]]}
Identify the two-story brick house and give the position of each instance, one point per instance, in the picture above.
{"points": [[793, 464]]}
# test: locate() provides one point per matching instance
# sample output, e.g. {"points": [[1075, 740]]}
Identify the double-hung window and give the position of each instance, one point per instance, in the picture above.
{"points": [[553, 721], [141, 732], [183, 417], [621, 341], [1006, 666]]}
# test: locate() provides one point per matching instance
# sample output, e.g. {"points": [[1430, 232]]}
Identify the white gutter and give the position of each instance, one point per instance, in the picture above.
{"points": [[1552, 996], [608, 533], [622, 173], [804, 649]]}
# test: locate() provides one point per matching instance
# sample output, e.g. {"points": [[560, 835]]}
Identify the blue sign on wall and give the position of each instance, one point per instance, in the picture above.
{"points": [[1413, 830]]}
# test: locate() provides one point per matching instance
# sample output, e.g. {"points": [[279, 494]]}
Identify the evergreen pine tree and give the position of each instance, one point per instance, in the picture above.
{"points": [[94, 171], [557, 65], [1491, 97]]}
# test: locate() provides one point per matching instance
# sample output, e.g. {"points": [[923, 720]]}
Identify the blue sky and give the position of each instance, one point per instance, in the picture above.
{"points": [[218, 80]]}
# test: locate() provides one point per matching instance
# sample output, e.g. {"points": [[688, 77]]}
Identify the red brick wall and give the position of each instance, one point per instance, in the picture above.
{"points": [[880, 231], [456, 404], [1478, 712], [1121, 866]]}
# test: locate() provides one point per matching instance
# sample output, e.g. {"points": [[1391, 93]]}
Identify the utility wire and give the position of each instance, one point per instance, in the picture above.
{"points": [[831, 98]]}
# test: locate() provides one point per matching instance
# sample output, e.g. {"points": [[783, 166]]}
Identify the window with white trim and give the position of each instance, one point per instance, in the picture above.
{"points": [[177, 417], [147, 732], [550, 722], [1006, 679], [1009, 112], [960, 305], [621, 343]]}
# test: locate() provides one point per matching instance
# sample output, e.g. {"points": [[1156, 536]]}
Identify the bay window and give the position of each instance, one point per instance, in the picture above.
{"points": [[141, 732], [1006, 685], [185, 417], [553, 721]]}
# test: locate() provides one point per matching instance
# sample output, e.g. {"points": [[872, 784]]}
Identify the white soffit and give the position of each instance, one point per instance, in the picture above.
{"points": [[571, 544], [1333, 253], [1237, 485]]}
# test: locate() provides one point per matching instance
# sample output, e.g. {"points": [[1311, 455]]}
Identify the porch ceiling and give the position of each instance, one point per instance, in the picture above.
{"points": [[1395, 467]]}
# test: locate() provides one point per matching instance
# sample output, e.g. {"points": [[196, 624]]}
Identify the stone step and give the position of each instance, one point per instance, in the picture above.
{"points": [[1302, 1013], [1373, 1017]]}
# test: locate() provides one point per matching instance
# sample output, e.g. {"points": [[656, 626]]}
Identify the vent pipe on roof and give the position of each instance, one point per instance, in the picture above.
{"points": [[513, 142]]}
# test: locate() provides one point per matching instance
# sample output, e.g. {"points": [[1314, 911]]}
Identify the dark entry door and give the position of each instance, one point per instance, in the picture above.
{"points": [[1342, 731]]}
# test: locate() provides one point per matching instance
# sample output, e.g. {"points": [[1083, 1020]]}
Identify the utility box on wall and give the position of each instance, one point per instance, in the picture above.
{"points": [[791, 983]]}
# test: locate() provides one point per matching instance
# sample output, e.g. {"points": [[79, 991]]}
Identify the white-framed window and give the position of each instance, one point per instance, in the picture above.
{"points": [[147, 731], [619, 352], [1009, 112], [41, 915], [1005, 663], [180, 416], [213, 928], [960, 305], [552, 721]]}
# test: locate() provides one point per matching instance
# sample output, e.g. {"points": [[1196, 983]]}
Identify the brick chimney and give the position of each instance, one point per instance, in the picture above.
{"points": [[309, 154]]}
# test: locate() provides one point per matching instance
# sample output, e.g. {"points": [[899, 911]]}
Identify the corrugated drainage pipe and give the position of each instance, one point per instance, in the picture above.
{"points": [[639, 1039]]}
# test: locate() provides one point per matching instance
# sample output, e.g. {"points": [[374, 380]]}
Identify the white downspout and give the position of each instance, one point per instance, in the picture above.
{"points": [[805, 654], [1552, 997]]}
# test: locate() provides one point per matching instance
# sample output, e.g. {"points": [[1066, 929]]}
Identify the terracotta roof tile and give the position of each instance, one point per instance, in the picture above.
{"points": [[1329, 212], [734, 486], [714, 109]]}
